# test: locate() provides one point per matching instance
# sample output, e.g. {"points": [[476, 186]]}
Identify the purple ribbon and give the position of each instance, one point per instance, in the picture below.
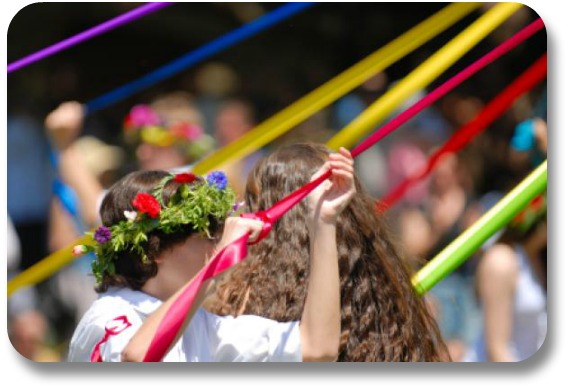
{"points": [[100, 29]]}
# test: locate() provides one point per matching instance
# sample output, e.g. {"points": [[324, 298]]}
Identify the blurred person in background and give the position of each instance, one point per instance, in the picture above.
{"points": [[448, 199], [511, 288], [28, 328], [28, 175], [168, 133], [511, 275], [214, 83], [29, 333], [72, 284], [235, 117]]}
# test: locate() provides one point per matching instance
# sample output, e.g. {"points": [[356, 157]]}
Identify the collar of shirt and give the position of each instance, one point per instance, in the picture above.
{"points": [[141, 302]]}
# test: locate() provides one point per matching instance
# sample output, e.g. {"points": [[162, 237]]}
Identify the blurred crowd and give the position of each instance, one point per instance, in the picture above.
{"points": [[60, 164]]}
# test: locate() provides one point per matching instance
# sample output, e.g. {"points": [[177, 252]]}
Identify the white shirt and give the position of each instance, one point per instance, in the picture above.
{"points": [[208, 337]]}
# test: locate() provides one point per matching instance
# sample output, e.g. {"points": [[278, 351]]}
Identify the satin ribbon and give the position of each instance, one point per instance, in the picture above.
{"points": [[88, 34], [198, 55], [173, 321], [237, 251], [464, 135]]}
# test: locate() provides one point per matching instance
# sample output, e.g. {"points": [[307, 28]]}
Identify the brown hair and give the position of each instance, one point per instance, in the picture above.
{"points": [[130, 270], [382, 318]]}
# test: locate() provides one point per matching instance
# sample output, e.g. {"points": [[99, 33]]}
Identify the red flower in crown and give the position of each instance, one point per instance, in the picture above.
{"points": [[185, 177], [147, 204]]}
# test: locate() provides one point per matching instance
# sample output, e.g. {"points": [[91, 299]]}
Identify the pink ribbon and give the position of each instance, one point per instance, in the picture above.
{"points": [[171, 324], [237, 250]]}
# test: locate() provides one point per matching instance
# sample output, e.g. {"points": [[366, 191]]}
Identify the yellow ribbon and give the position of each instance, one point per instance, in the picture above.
{"points": [[335, 88], [422, 75], [46, 267]]}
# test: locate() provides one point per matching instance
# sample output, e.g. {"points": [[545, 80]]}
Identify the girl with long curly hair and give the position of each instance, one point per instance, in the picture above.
{"points": [[382, 318]]}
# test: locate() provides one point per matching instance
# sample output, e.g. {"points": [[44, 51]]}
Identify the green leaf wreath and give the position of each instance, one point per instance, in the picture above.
{"points": [[194, 203]]}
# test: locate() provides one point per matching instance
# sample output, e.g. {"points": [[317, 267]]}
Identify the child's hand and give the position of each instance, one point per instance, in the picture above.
{"points": [[236, 227], [329, 199], [65, 123]]}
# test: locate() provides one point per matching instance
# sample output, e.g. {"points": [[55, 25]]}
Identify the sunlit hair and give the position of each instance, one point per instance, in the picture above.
{"points": [[382, 318]]}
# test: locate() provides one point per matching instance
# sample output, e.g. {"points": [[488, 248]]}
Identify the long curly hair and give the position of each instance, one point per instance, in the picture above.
{"points": [[382, 318]]}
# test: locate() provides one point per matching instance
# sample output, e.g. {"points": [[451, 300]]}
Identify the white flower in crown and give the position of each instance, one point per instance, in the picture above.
{"points": [[130, 215]]}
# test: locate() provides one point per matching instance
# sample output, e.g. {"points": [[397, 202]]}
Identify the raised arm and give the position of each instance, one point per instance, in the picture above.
{"points": [[496, 282], [320, 325], [137, 348], [63, 126]]}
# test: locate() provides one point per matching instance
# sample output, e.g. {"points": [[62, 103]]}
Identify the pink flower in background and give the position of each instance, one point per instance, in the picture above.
{"points": [[142, 115], [187, 131]]}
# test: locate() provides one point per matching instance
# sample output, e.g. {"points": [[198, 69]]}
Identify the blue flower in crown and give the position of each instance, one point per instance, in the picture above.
{"points": [[217, 179]]}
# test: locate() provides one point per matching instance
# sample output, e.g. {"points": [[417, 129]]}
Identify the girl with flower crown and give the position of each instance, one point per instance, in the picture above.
{"points": [[162, 135], [159, 229]]}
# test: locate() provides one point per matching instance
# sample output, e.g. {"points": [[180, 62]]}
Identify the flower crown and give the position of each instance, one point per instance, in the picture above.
{"points": [[144, 124], [195, 201], [527, 217]]}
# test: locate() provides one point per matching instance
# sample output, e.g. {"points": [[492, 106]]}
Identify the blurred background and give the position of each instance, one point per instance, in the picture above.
{"points": [[239, 88]]}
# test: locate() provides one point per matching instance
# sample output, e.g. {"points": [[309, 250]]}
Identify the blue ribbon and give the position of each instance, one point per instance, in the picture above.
{"points": [[66, 194], [197, 55]]}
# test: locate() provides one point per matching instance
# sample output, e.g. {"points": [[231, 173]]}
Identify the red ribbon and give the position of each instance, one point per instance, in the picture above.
{"points": [[237, 250], [525, 82]]}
